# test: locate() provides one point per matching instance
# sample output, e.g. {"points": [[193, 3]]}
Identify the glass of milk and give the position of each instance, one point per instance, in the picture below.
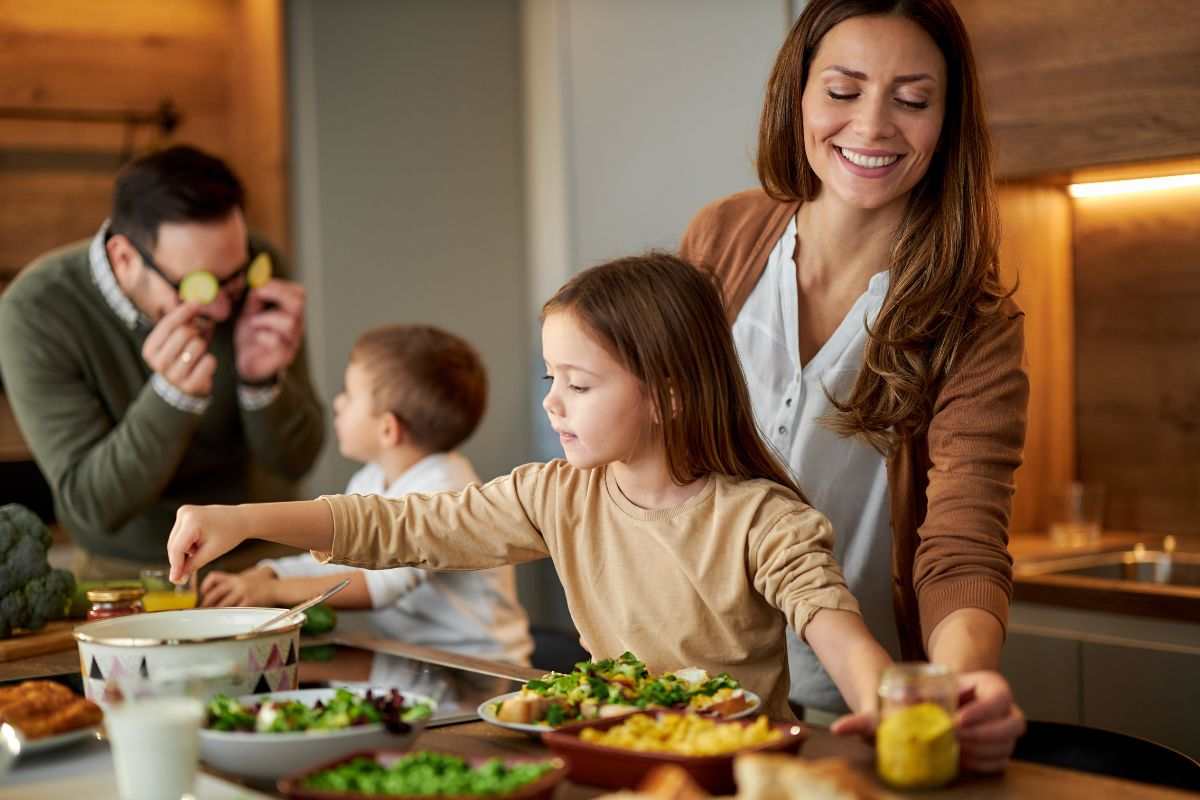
{"points": [[155, 746]]}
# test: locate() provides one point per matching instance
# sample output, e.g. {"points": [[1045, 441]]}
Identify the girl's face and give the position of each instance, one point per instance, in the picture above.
{"points": [[872, 109], [598, 408]]}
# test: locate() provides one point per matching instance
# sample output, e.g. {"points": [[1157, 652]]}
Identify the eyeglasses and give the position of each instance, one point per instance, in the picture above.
{"points": [[201, 286]]}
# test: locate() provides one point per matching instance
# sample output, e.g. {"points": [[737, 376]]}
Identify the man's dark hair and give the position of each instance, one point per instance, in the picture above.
{"points": [[179, 184]]}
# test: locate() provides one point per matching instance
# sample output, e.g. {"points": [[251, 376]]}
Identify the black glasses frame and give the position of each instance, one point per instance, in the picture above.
{"points": [[148, 260]]}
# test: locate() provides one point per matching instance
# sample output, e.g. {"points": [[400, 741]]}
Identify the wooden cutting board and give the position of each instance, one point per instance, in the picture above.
{"points": [[54, 637]]}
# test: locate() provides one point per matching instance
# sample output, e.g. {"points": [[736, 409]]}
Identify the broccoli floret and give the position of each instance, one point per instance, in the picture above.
{"points": [[31, 593]]}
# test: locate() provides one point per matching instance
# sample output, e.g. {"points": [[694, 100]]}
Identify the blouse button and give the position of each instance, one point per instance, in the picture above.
{"points": [[782, 429], [788, 402]]}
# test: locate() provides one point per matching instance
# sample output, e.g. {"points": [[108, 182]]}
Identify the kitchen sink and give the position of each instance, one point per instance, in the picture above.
{"points": [[1137, 566]]}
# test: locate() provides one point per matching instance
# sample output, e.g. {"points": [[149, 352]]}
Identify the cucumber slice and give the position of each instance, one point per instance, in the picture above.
{"points": [[199, 287], [260, 271]]}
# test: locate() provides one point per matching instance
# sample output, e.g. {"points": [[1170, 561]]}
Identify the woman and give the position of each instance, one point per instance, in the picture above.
{"points": [[882, 353]]}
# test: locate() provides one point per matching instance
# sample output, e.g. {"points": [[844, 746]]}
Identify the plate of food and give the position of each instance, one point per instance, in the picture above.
{"points": [[619, 753], [379, 774], [267, 735], [614, 687], [48, 715]]}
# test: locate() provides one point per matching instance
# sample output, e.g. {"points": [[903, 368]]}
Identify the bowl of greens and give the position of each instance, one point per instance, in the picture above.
{"points": [[268, 735], [381, 774]]}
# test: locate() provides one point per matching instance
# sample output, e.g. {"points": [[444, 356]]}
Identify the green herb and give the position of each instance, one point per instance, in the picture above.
{"points": [[427, 775]]}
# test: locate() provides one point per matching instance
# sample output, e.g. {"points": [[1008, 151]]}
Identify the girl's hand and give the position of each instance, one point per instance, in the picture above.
{"points": [[202, 533], [989, 721], [254, 587]]}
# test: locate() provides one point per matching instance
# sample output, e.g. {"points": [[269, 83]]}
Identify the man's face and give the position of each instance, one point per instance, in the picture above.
{"points": [[185, 247]]}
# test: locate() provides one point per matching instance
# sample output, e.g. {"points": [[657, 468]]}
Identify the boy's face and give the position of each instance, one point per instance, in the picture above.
{"points": [[359, 428], [595, 405]]}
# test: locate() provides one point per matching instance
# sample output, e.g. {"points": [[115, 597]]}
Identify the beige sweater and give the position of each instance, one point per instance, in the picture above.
{"points": [[710, 583]]}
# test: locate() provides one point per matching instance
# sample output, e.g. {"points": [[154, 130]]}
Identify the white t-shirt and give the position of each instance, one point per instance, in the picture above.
{"points": [[844, 478], [473, 613]]}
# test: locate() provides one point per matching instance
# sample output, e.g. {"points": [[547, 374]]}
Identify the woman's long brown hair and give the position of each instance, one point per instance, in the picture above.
{"points": [[662, 319], [944, 269]]}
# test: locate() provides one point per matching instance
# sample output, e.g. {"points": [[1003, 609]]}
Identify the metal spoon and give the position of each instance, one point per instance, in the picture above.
{"points": [[307, 604]]}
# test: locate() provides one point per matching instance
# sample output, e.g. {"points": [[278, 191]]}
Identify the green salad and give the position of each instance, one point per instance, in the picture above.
{"points": [[428, 775], [345, 709]]}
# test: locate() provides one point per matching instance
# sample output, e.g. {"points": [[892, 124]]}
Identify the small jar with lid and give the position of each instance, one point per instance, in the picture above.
{"points": [[915, 744], [115, 602]]}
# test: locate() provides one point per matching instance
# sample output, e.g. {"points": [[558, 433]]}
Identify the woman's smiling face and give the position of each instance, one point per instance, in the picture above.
{"points": [[872, 108]]}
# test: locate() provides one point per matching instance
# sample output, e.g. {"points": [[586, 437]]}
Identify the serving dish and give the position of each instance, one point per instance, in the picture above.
{"points": [[268, 756], [621, 768]]}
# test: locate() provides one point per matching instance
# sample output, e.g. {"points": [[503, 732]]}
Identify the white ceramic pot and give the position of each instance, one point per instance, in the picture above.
{"points": [[200, 651]]}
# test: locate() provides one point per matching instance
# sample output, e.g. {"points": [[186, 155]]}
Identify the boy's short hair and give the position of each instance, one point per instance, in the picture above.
{"points": [[433, 381]]}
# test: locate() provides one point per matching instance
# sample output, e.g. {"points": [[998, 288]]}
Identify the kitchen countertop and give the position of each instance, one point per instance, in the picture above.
{"points": [[1162, 601]]}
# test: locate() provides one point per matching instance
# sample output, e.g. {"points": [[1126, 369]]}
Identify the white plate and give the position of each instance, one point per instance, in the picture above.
{"points": [[34, 746], [487, 713], [271, 755]]}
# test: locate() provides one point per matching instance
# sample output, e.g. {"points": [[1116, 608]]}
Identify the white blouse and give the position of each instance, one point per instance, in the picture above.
{"points": [[844, 478]]}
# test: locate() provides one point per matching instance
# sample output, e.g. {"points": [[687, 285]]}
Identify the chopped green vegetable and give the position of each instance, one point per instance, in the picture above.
{"points": [[319, 619], [427, 775], [344, 710]]}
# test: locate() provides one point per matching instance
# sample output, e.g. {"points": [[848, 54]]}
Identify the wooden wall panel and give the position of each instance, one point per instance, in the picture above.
{"points": [[1137, 311], [1071, 83], [219, 61], [1036, 250]]}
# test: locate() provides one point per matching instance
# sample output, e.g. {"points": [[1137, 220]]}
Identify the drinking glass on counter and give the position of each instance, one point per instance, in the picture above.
{"points": [[162, 595], [915, 744], [155, 746], [1076, 514]]}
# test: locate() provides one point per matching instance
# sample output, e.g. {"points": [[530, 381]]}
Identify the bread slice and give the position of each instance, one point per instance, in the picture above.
{"points": [[776, 777]]}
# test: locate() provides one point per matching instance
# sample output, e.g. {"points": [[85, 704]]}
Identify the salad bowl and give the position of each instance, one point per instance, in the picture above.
{"points": [[283, 741]]}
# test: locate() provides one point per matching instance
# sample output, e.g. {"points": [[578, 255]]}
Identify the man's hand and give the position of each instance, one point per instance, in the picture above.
{"points": [[201, 534], [252, 587], [269, 330], [176, 351]]}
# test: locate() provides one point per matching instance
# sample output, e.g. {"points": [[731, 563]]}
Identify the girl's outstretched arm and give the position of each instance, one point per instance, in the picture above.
{"points": [[849, 654], [202, 533]]}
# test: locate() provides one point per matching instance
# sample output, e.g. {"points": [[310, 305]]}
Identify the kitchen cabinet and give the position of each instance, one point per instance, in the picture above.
{"points": [[1123, 673]]}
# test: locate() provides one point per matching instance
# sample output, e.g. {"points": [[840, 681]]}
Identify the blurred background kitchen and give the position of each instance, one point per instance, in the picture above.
{"points": [[453, 161]]}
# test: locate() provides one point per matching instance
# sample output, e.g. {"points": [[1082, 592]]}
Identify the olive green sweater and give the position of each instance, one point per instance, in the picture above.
{"points": [[118, 457]]}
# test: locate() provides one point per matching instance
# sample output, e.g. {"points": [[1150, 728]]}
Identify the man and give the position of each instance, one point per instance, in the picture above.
{"points": [[135, 402]]}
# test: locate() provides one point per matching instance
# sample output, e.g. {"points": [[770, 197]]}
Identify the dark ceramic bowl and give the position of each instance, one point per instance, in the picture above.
{"points": [[541, 789], [620, 768]]}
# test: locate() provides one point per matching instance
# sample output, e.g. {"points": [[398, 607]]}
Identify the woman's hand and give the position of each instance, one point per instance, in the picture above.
{"points": [[988, 722], [202, 533], [254, 587]]}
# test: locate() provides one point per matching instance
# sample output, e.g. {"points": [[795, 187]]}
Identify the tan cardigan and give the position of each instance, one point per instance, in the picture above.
{"points": [[951, 488]]}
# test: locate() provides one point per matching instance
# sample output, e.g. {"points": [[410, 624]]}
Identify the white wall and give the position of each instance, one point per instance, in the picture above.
{"points": [[408, 191]]}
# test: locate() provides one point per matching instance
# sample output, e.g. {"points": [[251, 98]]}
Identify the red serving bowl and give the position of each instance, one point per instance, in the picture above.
{"points": [[620, 768], [541, 789]]}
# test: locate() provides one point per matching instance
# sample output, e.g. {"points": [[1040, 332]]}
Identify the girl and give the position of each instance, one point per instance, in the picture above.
{"points": [[674, 530]]}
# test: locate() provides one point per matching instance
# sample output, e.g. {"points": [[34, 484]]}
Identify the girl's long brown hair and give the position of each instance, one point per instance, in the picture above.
{"points": [[944, 270], [662, 319]]}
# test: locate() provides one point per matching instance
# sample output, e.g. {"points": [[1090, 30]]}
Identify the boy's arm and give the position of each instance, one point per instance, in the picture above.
{"points": [[290, 591]]}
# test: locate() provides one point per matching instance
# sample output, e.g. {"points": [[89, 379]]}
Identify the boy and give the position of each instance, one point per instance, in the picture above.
{"points": [[412, 394]]}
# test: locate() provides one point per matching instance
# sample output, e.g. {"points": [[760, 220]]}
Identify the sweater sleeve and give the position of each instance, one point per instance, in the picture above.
{"points": [[794, 569], [481, 527], [103, 472], [975, 441]]}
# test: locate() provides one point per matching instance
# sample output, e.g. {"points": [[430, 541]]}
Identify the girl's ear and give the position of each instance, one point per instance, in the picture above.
{"points": [[393, 432], [672, 398]]}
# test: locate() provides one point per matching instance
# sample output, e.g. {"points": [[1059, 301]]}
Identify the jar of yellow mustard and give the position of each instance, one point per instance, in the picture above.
{"points": [[915, 744]]}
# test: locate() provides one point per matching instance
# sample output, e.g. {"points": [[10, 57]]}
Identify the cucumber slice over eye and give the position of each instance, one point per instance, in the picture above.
{"points": [[199, 287], [260, 271]]}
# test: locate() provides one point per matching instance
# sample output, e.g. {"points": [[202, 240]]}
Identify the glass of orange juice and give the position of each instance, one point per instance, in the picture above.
{"points": [[162, 595]]}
